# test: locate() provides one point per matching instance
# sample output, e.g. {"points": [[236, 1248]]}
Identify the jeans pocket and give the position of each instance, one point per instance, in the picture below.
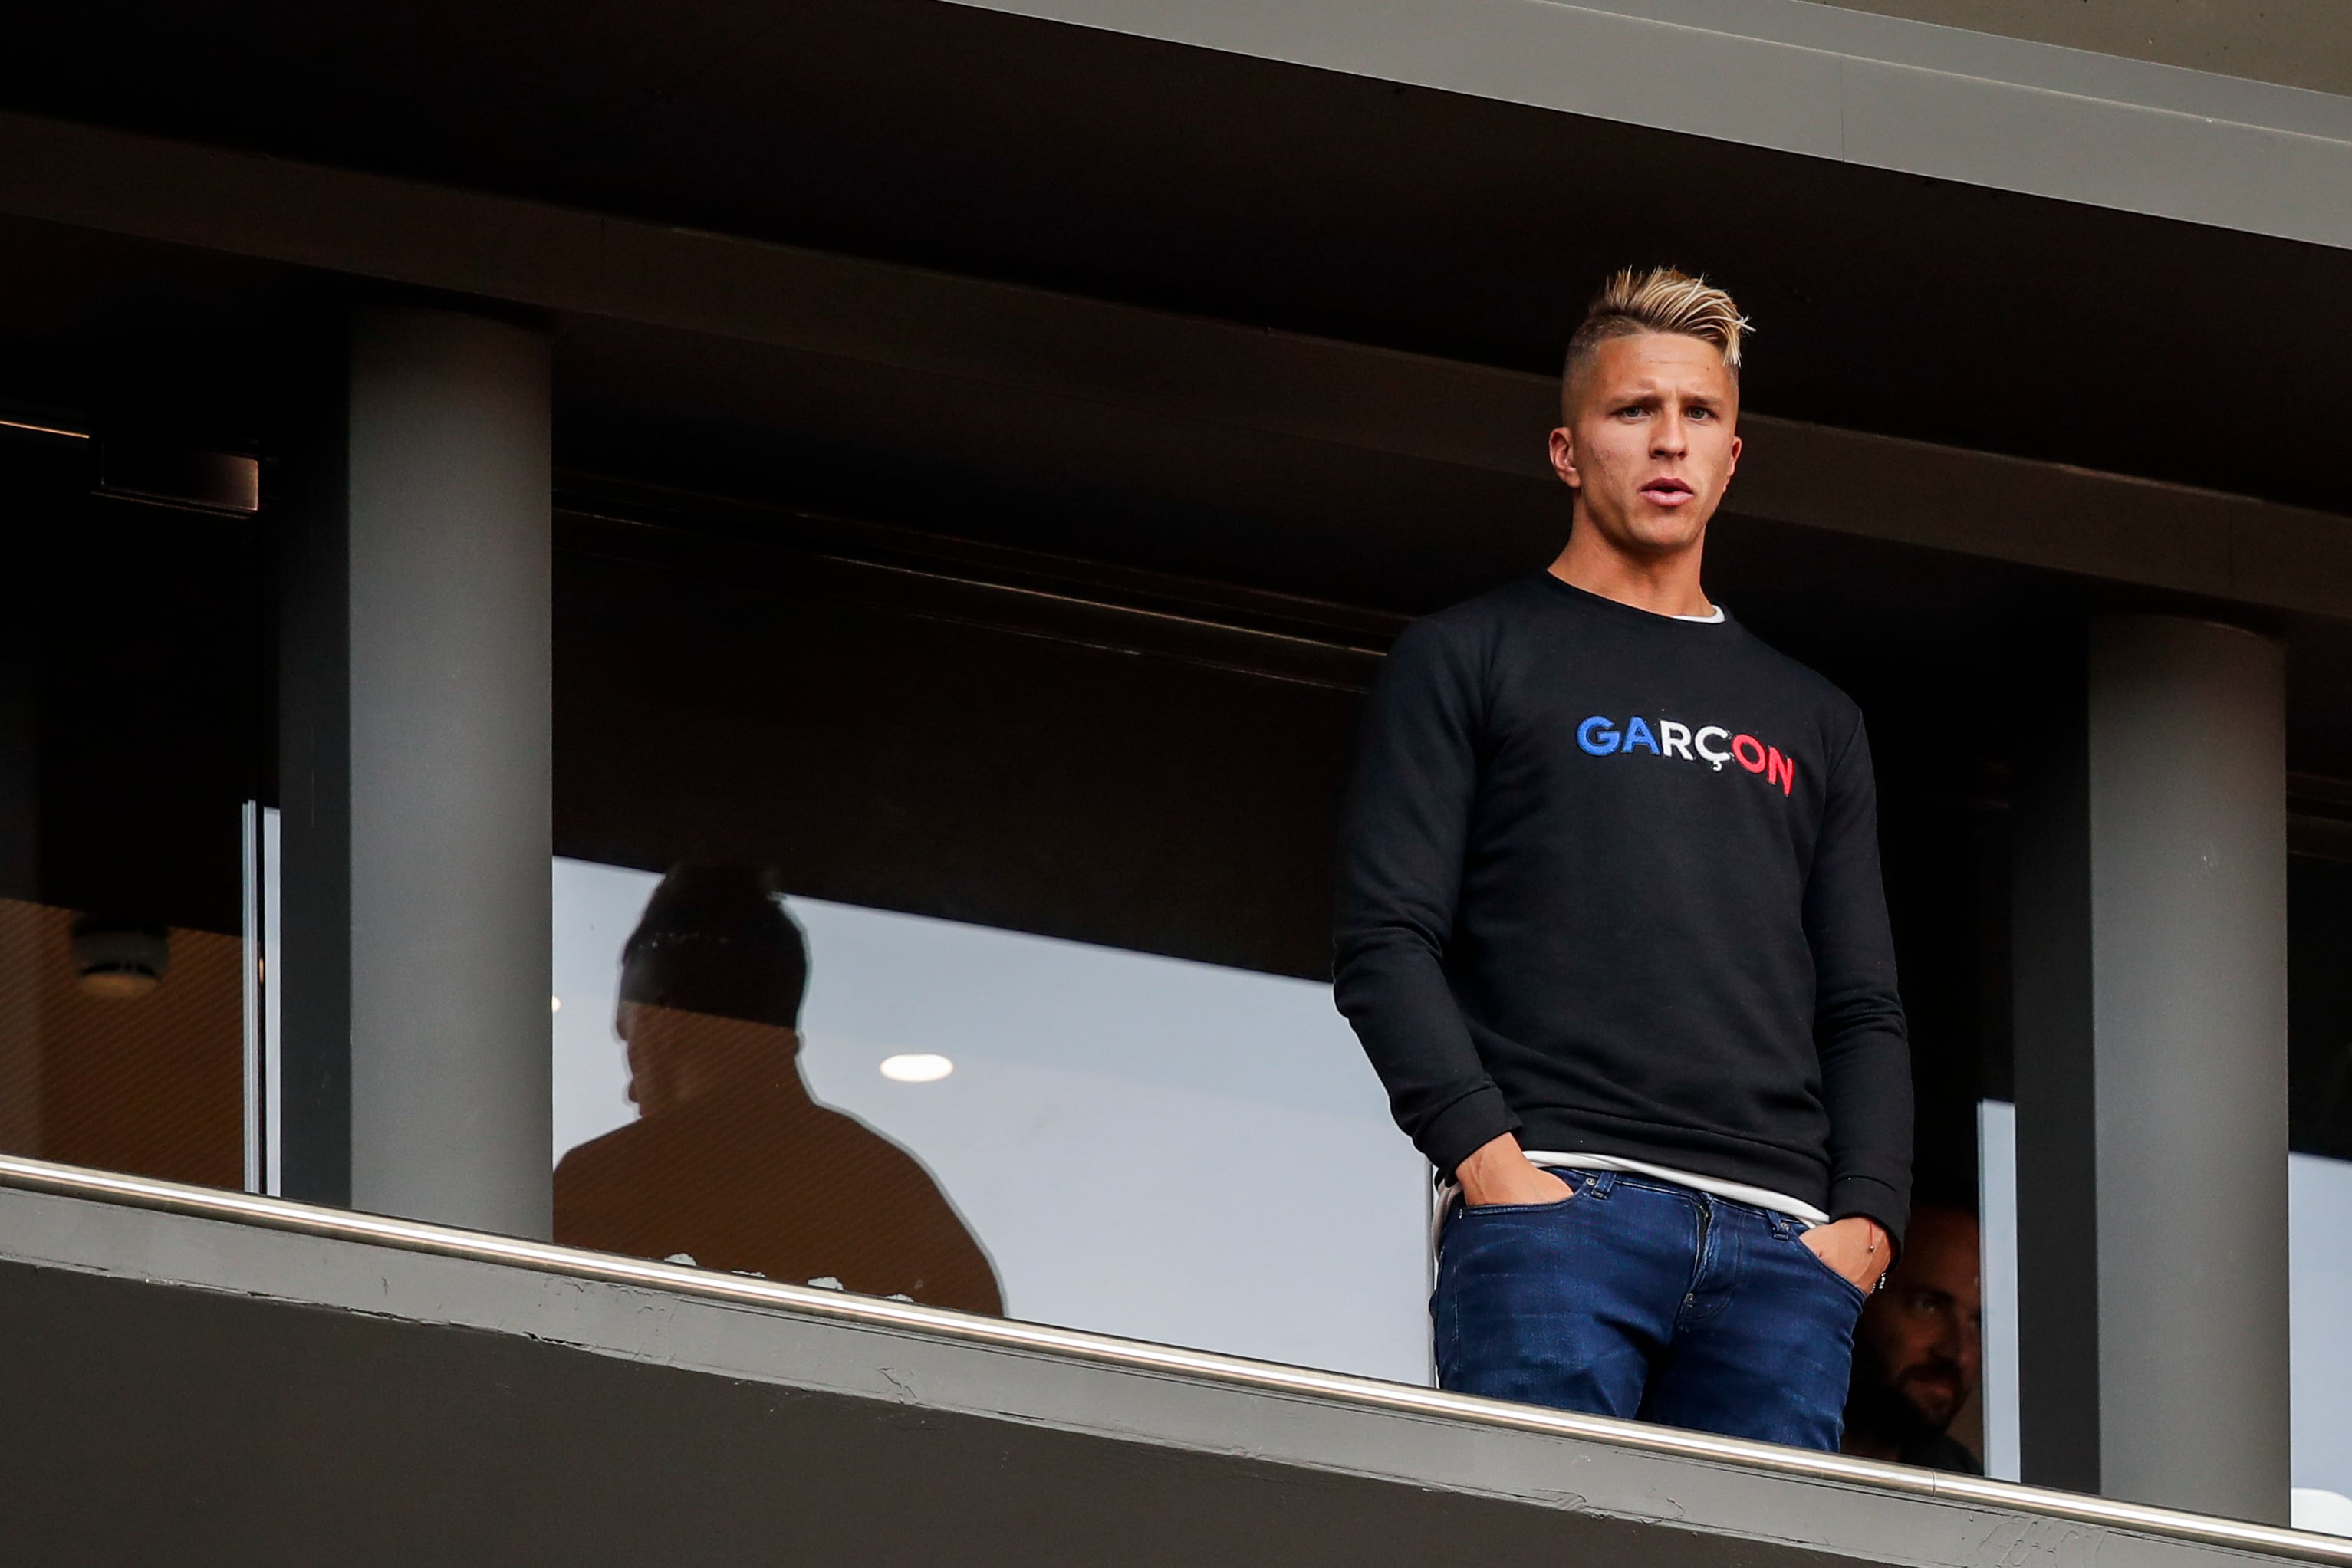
{"points": [[1575, 1185], [1821, 1266]]}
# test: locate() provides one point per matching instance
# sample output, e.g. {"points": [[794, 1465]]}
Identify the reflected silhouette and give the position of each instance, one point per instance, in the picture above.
{"points": [[731, 1161]]}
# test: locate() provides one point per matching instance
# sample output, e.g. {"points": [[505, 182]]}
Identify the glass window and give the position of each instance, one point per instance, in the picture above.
{"points": [[2319, 1182], [2319, 1187], [2319, 1218], [2319, 1211], [128, 674], [979, 1118], [2319, 1295], [989, 977]]}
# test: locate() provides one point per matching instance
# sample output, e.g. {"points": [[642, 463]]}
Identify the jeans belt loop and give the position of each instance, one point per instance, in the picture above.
{"points": [[1598, 1184]]}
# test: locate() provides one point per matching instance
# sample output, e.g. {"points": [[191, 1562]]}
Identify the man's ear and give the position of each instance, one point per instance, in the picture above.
{"points": [[1733, 466], [1563, 458]]}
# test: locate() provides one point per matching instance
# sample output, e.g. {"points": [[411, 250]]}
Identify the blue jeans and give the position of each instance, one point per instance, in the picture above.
{"points": [[1634, 1297]]}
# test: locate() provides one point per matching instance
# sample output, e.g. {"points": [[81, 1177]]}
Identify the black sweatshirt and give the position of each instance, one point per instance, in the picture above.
{"points": [[1608, 880]]}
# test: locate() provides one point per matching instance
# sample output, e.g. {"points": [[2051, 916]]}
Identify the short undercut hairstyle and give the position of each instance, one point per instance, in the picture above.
{"points": [[1656, 299]]}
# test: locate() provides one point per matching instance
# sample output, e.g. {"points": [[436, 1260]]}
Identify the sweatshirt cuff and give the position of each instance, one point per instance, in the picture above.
{"points": [[1872, 1199], [1465, 1127]]}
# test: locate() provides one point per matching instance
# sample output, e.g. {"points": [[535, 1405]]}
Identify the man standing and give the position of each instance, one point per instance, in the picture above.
{"points": [[1610, 930], [1920, 1349]]}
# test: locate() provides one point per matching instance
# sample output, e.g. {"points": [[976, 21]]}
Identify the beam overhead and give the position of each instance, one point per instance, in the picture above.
{"points": [[584, 267], [1879, 91]]}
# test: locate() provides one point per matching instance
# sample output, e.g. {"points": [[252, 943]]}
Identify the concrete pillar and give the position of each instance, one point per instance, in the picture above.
{"points": [[2151, 1072], [415, 765]]}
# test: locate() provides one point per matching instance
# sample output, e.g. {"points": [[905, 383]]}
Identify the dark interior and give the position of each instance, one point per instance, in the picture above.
{"points": [[129, 688], [132, 661], [1257, 192], [1045, 742], [942, 646]]}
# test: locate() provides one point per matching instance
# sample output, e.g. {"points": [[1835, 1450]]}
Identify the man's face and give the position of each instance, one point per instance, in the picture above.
{"points": [[1923, 1334], [665, 1048], [1649, 445], [676, 1056]]}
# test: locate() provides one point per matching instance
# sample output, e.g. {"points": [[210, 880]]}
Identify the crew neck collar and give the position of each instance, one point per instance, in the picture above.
{"points": [[1721, 617]]}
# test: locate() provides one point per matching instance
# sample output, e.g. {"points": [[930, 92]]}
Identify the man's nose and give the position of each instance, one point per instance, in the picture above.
{"points": [[1670, 437]]}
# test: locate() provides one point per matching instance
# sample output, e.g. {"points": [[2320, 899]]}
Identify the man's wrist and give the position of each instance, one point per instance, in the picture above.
{"points": [[1882, 1245], [1856, 1196], [1470, 1124], [1476, 1174], [1878, 1255]]}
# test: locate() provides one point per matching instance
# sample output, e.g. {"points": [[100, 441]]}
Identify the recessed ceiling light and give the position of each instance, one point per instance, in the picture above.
{"points": [[117, 961], [917, 1067], [555, 1004]]}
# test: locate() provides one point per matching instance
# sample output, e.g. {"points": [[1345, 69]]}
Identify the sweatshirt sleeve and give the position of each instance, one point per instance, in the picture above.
{"points": [[1858, 1028], [1403, 831]]}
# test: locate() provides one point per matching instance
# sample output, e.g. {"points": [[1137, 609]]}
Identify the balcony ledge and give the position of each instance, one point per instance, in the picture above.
{"points": [[220, 1370]]}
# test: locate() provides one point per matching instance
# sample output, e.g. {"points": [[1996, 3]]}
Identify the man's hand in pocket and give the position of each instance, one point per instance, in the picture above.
{"points": [[1499, 1172], [1855, 1247]]}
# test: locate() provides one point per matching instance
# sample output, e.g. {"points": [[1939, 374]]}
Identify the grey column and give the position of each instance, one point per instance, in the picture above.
{"points": [[2151, 1072], [416, 775]]}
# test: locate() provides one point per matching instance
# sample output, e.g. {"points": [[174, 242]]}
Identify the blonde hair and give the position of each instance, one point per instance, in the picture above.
{"points": [[1658, 300]]}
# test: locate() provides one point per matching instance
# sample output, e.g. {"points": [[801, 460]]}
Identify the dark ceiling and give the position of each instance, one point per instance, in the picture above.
{"points": [[1177, 178], [1147, 173]]}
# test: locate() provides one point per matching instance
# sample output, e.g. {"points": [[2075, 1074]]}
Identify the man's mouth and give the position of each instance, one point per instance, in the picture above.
{"points": [[1668, 492], [1936, 1388]]}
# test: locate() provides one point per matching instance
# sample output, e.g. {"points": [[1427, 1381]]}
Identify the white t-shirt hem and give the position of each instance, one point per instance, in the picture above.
{"points": [[1715, 1186]]}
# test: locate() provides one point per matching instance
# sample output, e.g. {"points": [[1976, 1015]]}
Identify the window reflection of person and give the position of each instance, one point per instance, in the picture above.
{"points": [[731, 1161], [1917, 1352]]}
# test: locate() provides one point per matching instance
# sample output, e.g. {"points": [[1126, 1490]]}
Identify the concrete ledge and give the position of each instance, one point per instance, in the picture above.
{"points": [[1879, 91], [393, 1330]]}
